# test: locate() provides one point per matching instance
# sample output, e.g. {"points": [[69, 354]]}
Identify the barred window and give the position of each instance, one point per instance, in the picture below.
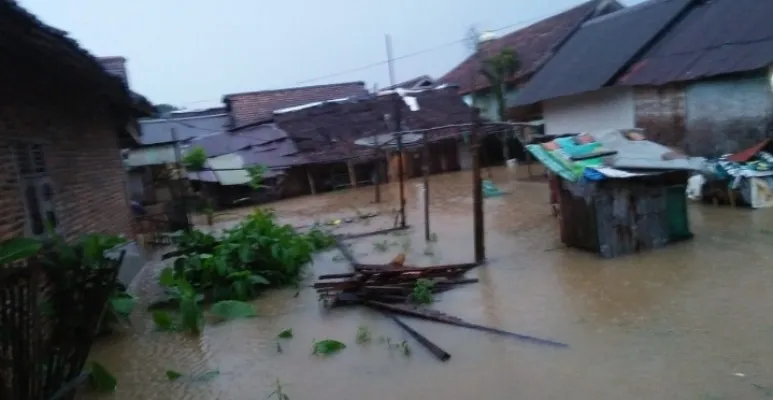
{"points": [[37, 189]]}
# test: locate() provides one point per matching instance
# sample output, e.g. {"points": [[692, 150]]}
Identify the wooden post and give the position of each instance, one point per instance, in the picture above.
{"points": [[352, 174], [311, 181], [477, 191], [425, 167]]}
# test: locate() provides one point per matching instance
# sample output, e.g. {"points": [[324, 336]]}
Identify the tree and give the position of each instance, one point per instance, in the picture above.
{"points": [[162, 109], [497, 69]]}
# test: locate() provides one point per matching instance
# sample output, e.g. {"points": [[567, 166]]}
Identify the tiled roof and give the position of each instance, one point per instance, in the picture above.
{"points": [[252, 107], [327, 132], [533, 44], [600, 50], [54, 53], [715, 37]]}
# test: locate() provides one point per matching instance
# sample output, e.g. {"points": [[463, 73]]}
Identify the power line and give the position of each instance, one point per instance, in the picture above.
{"points": [[405, 56]]}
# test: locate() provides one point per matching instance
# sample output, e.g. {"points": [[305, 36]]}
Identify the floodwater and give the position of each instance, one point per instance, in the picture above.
{"points": [[692, 321]]}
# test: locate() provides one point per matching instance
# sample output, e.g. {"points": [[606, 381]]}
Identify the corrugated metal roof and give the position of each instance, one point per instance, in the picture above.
{"points": [[230, 169], [534, 45], [229, 142], [715, 37], [599, 51], [159, 130]]}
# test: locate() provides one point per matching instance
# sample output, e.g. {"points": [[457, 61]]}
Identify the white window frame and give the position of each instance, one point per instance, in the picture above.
{"points": [[34, 173]]}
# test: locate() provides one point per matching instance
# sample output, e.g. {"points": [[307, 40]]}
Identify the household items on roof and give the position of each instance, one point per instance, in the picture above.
{"points": [[610, 154]]}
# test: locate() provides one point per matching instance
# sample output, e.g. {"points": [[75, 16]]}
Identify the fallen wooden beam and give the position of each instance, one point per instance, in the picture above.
{"points": [[345, 236], [441, 354], [458, 322]]}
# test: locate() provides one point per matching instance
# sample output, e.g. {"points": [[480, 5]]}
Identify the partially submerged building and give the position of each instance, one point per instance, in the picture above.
{"points": [[344, 143], [534, 45], [694, 74], [618, 192], [152, 163]]}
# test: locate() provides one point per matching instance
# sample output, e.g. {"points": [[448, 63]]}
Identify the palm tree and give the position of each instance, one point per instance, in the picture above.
{"points": [[497, 69]]}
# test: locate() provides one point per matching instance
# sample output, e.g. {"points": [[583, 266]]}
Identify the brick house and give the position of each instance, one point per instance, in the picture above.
{"points": [[654, 66], [62, 121]]}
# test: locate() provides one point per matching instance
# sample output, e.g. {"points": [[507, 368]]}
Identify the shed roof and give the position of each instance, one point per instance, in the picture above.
{"points": [[159, 130], [251, 107], [715, 37], [533, 44], [599, 51], [614, 154]]}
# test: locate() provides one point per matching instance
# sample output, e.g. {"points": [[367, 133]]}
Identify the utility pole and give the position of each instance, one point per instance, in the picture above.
{"points": [[396, 100], [477, 182]]}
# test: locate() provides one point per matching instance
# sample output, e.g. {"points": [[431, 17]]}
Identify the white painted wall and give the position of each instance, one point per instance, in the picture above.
{"points": [[608, 108]]}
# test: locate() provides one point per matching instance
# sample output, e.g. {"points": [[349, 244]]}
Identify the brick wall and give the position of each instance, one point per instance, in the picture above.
{"points": [[660, 111], [80, 145]]}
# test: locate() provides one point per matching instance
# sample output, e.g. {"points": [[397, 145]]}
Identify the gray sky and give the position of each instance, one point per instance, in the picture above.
{"points": [[192, 52]]}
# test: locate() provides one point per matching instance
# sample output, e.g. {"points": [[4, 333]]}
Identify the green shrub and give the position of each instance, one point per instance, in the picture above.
{"points": [[257, 254]]}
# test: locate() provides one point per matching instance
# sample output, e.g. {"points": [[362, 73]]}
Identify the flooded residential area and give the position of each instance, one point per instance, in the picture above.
{"points": [[689, 321], [567, 200]]}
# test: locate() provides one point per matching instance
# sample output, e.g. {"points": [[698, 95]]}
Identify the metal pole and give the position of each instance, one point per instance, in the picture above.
{"points": [[477, 191], [396, 100], [425, 167]]}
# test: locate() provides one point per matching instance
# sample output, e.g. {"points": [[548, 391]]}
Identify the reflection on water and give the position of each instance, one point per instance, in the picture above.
{"points": [[684, 322]]}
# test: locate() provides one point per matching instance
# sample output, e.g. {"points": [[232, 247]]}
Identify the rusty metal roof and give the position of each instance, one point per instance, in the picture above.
{"points": [[715, 37], [327, 132], [600, 50]]}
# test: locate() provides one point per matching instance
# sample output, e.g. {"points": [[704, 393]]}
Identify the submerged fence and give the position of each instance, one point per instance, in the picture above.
{"points": [[49, 317]]}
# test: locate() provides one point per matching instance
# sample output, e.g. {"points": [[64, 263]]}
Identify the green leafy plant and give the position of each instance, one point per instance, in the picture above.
{"points": [[285, 334], [18, 249], [327, 347], [363, 335], [422, 291], [100, 379], [256, 174], [191, 316], [231, 309], [257, 254], [173, 375], [195, 159]]}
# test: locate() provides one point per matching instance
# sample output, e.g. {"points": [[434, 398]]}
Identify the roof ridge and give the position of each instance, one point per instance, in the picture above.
{"points": [[350, 83]]}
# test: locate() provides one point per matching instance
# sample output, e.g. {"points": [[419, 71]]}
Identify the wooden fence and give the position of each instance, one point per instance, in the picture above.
{"points": [[49, 317]]}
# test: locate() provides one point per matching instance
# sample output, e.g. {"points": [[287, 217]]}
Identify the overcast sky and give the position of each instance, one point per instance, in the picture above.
{"points": [[192, 52]]}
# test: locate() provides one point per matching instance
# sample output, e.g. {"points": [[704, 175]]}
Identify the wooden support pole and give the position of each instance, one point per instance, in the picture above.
{"points": [[477, 190], [311, 181], [425, 168], [352, 173]]}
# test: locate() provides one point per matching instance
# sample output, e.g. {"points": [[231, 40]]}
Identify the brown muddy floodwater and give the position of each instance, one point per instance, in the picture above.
{"points": [[692, 321]]}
